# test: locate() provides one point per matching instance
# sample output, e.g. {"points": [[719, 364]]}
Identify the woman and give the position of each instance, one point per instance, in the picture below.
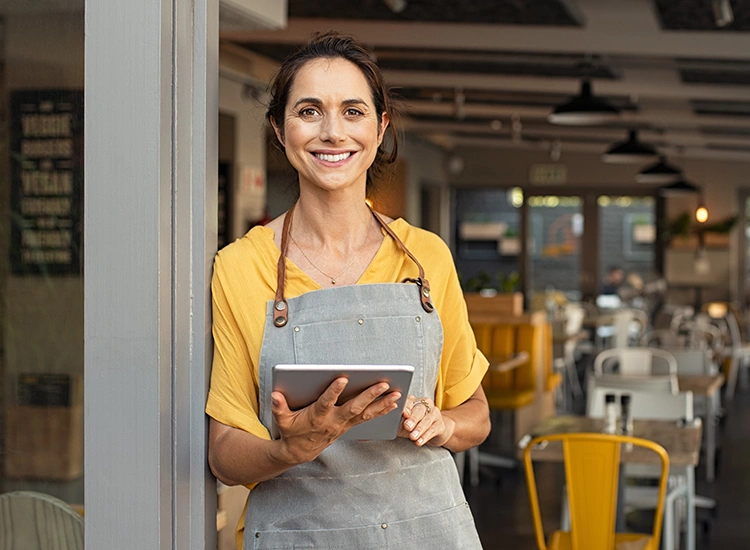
{"points": [[296, 290]]}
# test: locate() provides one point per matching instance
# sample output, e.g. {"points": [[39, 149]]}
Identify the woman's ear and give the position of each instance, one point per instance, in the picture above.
{"points": [[384, 122], [278, 130]]}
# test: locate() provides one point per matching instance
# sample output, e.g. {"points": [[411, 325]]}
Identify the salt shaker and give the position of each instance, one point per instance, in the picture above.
{"points": [[626, 415], [610, 413]]}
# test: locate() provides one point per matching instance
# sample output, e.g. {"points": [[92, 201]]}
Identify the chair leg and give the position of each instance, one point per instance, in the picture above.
{"points": [[564, 510], [734, 366], [474, 466]]}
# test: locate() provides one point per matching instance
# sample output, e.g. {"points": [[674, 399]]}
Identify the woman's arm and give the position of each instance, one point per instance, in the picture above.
{"points": [[457, 429], [237, 457]]}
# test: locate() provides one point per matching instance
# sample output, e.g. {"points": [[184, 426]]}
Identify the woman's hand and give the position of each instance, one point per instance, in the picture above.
{"points": [[424, 424], [307, 432]]}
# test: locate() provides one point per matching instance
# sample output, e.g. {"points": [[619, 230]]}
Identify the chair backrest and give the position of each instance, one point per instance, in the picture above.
{"points": [[36, 521], [665, 384], [638, 361], [693, 361], [662, 337], [730, 315], [574, 315], [592, 474], [644, 404]]}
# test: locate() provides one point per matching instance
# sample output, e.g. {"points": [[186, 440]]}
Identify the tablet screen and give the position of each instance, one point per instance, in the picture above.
{"points": [[303, 384]]}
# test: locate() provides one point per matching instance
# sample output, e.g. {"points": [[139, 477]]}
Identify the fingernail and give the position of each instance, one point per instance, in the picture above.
{"points": [[275, 401], [415, 435], [421, 441], [409, 425]]}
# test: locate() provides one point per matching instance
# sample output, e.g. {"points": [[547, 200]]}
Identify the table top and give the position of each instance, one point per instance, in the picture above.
{"points": [[700, 384], [682, 443]]}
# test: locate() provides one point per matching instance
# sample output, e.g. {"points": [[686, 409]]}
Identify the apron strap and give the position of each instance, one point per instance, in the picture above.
{"points": [[280, 307], [421, 282]]}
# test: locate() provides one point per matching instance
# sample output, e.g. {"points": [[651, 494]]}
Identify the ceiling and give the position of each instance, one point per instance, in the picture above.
{"points": [[486, 73]]}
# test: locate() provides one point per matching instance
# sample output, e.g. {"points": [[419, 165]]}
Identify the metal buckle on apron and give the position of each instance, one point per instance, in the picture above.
{"points": [[280, 311], [424, 292]]}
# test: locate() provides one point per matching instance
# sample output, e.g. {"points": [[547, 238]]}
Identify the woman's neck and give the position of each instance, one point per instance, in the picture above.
{"points": [[332, 222]]}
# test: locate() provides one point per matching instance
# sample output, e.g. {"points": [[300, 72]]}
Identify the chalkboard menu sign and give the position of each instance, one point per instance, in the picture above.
{"points": [[46, 133]]}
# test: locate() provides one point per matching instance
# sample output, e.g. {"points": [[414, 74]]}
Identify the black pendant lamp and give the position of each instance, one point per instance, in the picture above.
{"points": [[660, 172], [679, 188], [584, 109], [630, 151]]}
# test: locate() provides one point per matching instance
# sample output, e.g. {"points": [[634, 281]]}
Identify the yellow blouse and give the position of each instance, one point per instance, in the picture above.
{"points": [[244, 280]]}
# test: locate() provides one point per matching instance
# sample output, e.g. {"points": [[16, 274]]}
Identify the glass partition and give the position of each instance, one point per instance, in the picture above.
{"points": [[488, 238], [41, 255]]}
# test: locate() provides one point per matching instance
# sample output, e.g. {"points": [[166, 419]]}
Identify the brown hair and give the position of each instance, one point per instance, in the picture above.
{"points": [[332, 45]]}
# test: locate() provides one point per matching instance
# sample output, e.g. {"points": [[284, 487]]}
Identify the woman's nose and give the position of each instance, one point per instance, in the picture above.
{"points": [[332, 129]]}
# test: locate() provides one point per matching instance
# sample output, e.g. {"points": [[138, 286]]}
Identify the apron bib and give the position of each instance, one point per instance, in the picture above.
{"points": [[359, 494]]}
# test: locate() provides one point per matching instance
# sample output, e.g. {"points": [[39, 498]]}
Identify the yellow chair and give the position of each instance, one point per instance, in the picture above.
{"points": [[592, 475]]}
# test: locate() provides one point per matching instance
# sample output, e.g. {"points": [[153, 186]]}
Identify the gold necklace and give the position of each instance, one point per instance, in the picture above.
{"points": [[333, 279]]}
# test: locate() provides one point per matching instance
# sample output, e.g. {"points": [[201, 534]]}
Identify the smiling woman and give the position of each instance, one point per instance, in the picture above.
{"points": [[331, 281]]}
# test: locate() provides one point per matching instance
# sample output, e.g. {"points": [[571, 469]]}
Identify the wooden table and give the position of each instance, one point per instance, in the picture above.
{"points": [[706, 386], [682, 444]]}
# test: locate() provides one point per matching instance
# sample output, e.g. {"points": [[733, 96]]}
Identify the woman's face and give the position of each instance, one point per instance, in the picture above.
{"points": [[330, 129]]}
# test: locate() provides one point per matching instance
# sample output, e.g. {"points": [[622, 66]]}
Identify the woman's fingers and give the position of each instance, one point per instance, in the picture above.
{"points": [[422, 420], [327, 401]]}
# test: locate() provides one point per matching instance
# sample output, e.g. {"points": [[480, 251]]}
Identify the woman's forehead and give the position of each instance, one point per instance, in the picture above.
{"points": [[326, 78]]}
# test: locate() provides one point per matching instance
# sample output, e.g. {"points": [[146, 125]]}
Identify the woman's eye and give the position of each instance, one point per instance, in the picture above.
{"points": [[353, 112], [308, 112]]}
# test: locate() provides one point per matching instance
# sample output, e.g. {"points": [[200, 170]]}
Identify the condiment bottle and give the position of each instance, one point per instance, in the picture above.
{"points": [[610, 413], [626, 415]]}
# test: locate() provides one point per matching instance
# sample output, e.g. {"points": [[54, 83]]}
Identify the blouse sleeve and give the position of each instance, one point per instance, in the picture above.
{"points": [[233, 396], [462, 365]]}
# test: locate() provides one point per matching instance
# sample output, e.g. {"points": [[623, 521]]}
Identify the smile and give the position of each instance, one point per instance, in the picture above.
{"points": [[333, 158]]}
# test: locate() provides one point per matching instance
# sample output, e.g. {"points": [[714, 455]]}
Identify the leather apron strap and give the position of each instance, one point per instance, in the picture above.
{"points": [[280, 306]]}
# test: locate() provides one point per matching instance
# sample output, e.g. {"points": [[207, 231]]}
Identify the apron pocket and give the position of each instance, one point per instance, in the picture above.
{"points": [[453, 528], [364, 341]]}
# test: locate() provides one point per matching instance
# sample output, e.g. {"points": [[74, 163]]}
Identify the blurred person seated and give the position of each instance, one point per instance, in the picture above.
{"points": [[613, 279]]}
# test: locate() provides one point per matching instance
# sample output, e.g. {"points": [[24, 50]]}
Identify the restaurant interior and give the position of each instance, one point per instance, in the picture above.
{"points": [[588, 163]]}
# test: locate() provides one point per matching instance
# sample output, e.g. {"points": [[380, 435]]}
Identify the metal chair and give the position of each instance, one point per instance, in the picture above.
{"points": [[592, 463], [738, 351], [657, 405], [636, 361], [37, 521]]}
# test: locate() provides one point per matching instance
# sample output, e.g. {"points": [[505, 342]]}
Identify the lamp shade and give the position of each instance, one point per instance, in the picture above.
{"points": [[682, 187], [630, 151], [660, 172], [584, 109]]}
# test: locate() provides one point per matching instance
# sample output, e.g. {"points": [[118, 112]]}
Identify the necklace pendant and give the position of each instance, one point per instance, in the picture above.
{"points": [[333, 281]]}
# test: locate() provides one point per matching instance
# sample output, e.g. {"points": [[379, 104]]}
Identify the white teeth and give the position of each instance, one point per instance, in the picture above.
{"points": [[332, 158]]}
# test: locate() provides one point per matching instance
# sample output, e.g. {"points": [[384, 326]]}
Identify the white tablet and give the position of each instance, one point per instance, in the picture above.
{"points": [[302, 385]]}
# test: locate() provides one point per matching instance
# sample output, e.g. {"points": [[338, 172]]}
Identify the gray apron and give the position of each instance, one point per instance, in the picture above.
{"points": [[359, 494]]}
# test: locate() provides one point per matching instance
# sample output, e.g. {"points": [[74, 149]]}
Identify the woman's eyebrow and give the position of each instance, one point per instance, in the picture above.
{"points": [[316, 101], [313, 100]]}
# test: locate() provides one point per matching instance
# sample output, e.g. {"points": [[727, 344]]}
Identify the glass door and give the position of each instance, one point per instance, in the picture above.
{"points": [[627, 238], [554, 252]]}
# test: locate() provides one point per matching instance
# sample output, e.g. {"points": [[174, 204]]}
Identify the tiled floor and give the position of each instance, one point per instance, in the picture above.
{"points": [[501, 508]]}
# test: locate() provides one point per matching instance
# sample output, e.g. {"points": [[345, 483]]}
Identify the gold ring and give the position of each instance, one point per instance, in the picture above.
{"points": [[425, 403]]}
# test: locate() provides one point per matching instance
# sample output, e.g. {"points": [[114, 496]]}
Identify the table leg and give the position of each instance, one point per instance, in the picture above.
{"points": [[620, 514], [690, 475], [711, 413]]}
